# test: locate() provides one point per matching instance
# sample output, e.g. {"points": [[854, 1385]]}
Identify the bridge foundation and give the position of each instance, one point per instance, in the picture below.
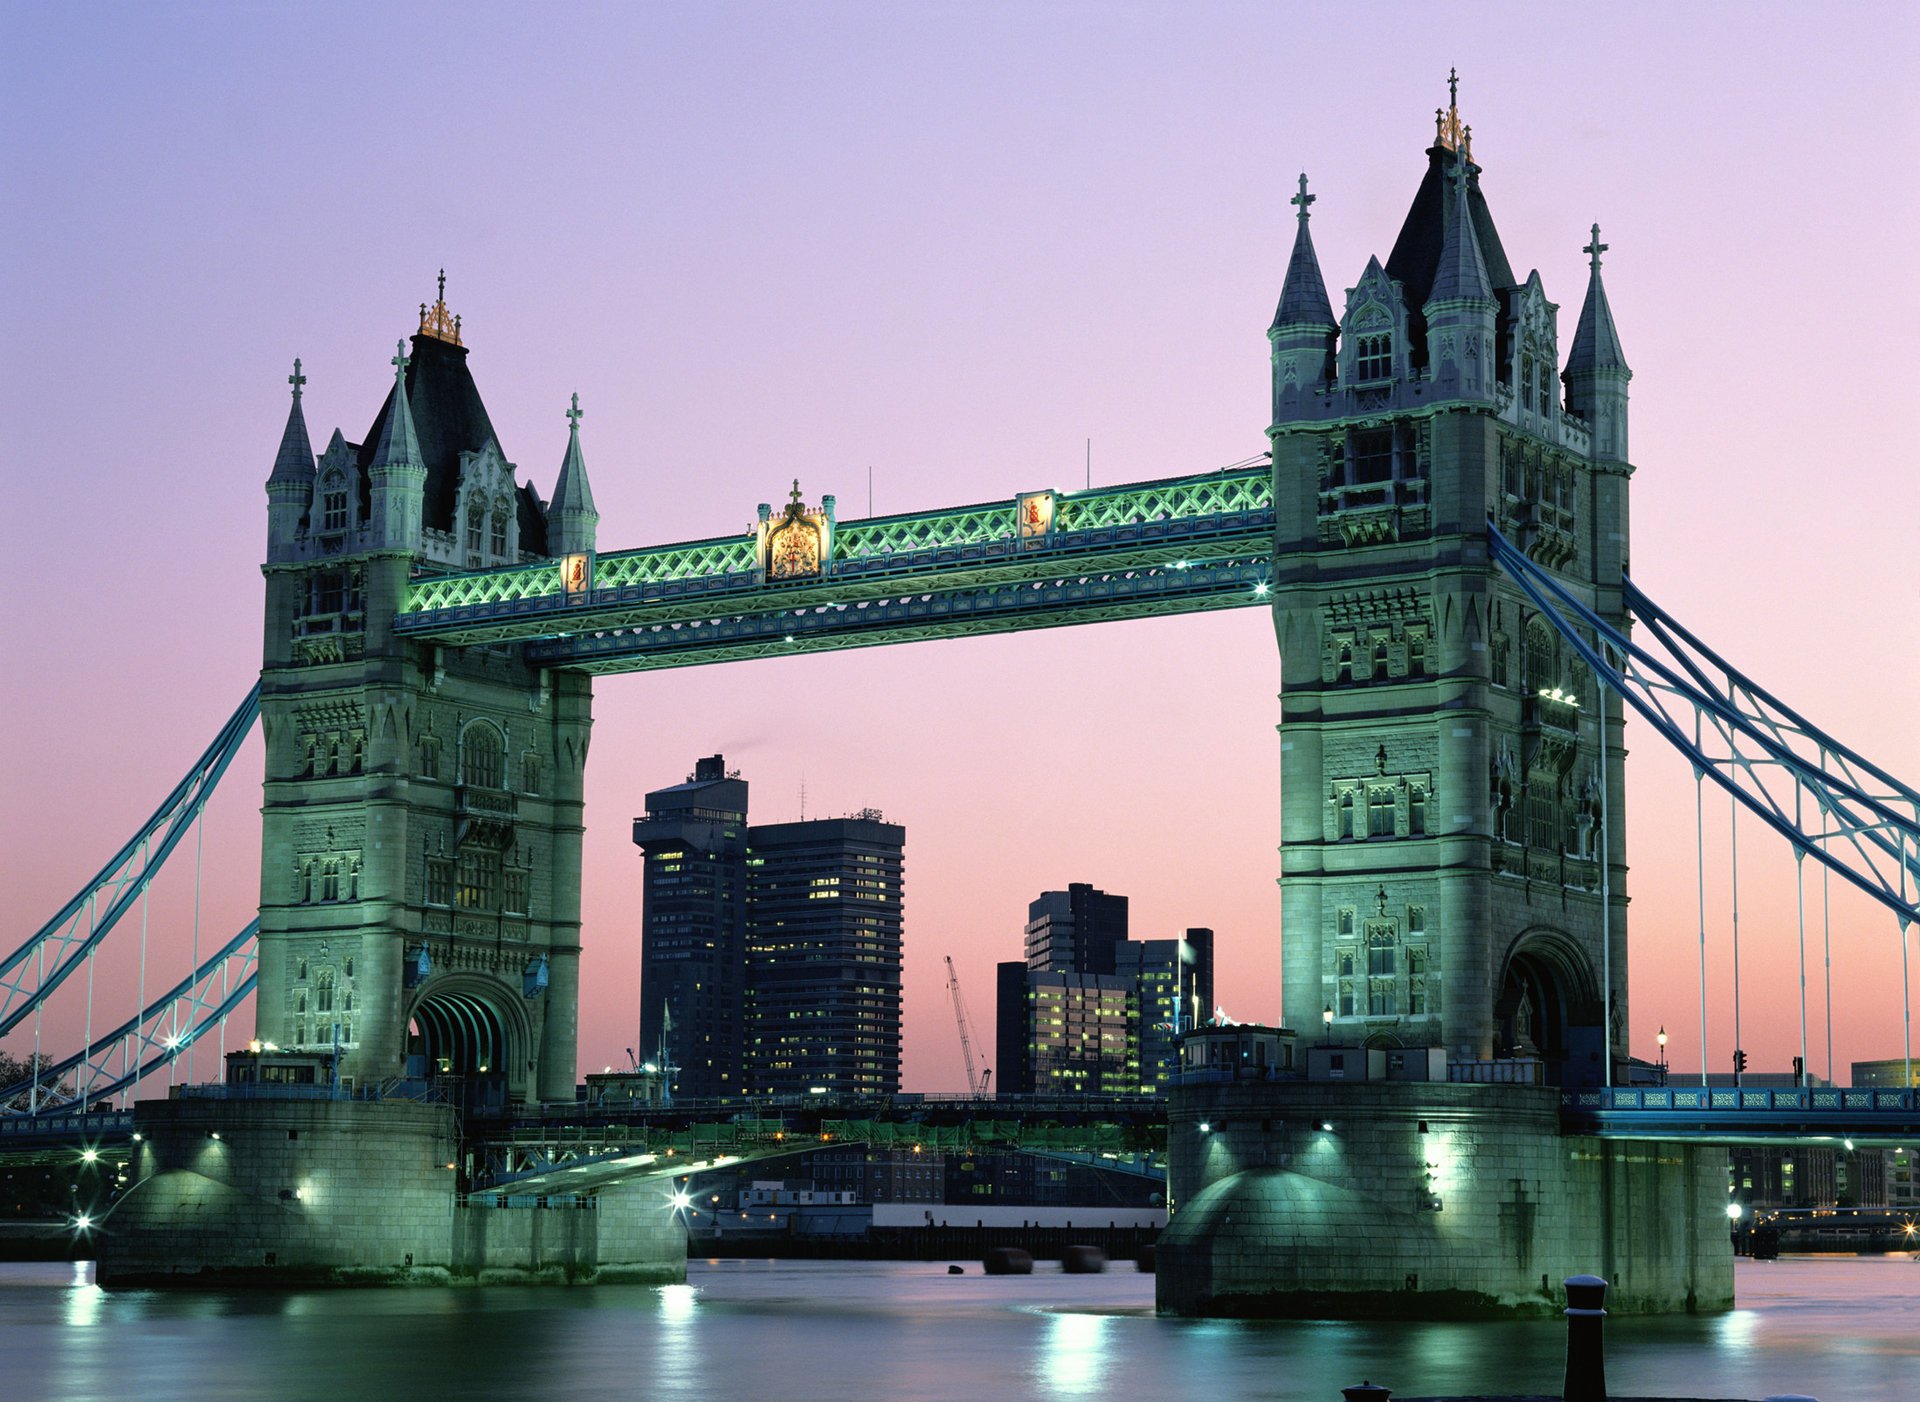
{"points": [[307, 1192], [1427, 1200]]}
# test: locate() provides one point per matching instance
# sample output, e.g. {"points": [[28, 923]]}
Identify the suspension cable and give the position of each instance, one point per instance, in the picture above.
{"points": [[1700, 882], [1733, 844], [199, 852], [1800, 904], [1826, 939], [1606, 889]]}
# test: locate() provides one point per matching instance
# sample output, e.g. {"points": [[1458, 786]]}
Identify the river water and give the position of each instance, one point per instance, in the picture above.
{"points": [[1841, 1329]]}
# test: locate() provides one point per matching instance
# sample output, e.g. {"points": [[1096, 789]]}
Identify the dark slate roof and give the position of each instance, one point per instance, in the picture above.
{"points": [[533, 519], [1303, 297], [448, 419], [1416, 253], [1596, 345], [294, 461]]}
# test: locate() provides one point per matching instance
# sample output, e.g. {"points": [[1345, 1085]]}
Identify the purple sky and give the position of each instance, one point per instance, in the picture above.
{"points": [[952, 242]]}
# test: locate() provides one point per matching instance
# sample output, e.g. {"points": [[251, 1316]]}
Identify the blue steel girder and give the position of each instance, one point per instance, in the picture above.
{"points": [[1058, 600], [1138, 525], [76, 931], [1827, 800], [148, 1041]]}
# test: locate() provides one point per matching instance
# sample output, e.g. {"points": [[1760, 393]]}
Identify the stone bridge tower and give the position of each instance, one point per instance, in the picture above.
{"points": [[1441, 762], [420, 860]]}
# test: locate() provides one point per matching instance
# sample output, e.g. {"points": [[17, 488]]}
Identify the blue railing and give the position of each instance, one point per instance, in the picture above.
{"points": [[1735, 1099]]}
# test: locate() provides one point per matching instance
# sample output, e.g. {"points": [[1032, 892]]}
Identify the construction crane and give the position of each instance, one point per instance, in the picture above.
{"points": [[976, 1088]]}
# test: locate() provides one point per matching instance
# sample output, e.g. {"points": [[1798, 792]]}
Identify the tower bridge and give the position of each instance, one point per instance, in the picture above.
{"points": [[1439, 526]]}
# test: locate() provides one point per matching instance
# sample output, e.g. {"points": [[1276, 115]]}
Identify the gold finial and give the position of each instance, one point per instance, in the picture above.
{"points": [[796, 507], [436, 322], [1448, 133]]}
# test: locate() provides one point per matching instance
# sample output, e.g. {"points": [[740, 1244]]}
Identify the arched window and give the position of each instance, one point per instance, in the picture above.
{"points": [[1373, 358], [483, 756], [323, 992], [499, 536], [1540, 668], [333, 503], [476, 522]]}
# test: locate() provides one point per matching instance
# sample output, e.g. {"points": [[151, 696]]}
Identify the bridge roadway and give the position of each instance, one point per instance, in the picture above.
{"points": [[582, 1149], [1040, 559]]}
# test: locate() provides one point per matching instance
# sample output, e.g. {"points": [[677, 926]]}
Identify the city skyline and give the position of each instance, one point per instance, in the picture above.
{"points": [[1011, 236]]}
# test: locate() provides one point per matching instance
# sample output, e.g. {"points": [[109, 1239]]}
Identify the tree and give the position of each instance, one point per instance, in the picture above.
{"points": [[16, 1070]]}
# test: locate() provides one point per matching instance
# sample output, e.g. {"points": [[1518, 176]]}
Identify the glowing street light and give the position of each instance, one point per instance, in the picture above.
{"points": [[1735, 1212], [1326, 1021]]}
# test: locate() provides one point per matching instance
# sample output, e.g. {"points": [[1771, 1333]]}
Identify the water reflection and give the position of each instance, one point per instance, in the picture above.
{"points": [[1074, 1355], [83, 1298], [907, 1331], [676, 1370]]}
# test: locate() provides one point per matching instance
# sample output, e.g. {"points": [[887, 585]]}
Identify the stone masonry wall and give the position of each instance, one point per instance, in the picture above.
{"points": [[1485, 1210]]}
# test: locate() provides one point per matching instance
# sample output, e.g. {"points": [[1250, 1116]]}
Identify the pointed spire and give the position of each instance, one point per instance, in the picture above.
{"points": [[1596, 345], [398, 447], [1303, 297], [572, 519], [1461, 274], [571, 491], [294, 462]]}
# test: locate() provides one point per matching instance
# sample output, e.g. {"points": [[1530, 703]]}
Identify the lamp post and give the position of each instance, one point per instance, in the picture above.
{"points": [[1661, 1038], [1326, 1021]]}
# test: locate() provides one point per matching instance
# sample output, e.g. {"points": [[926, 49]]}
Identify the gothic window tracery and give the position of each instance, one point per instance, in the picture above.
{"points": [[482, 756], [476, 523], [333, 503], [323, 991], [477, 873], [1373, 357]]}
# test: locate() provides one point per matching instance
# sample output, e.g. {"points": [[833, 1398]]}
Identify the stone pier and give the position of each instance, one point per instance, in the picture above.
{"points": [[1427, 1200], [352, 1192]]}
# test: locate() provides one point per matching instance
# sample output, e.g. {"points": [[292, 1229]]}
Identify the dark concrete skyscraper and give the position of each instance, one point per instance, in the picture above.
{"points": [[824, 923], [693, 958], [1074, 931]]}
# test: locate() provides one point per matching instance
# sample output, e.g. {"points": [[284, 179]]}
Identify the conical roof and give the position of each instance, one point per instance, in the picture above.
{"points": [[294, 461], [1596, 345], [1460, 272], [571, 491], [1303, 297], [397, 444]]}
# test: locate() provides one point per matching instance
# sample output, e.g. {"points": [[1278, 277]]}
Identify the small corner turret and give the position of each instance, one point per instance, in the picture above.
{"points": [[1460, 308], [1303, 330], [1596, 375], [290, 484], [398, 473]]}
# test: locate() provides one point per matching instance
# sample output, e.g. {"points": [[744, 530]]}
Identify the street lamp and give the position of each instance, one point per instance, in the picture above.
{"points": [[1661, 1038], [1326, 1021]]}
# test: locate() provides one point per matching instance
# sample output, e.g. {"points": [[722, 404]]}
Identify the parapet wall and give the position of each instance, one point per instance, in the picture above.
{"points": [[1427, 1200]]}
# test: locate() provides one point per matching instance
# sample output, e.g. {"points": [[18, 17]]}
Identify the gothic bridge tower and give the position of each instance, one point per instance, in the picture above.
{"points": [[1442, 772], [420, 861]]}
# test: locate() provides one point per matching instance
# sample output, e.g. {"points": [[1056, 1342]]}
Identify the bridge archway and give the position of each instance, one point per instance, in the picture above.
{"points": [[1549, 1006], [469, 1027]]}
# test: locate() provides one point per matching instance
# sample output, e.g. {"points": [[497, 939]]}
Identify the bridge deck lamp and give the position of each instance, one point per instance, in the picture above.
{"points": [[1735, 1211], [1326, 1021]]}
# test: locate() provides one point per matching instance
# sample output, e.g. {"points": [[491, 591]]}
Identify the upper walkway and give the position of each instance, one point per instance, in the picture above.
{"points": [[1038, 559]]}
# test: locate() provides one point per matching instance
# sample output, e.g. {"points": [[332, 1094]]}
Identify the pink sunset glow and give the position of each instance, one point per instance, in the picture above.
{"points": [[949, 243]]}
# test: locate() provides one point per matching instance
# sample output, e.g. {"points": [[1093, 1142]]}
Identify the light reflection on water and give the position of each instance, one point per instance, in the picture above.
{"points": [[1840, 1329]]}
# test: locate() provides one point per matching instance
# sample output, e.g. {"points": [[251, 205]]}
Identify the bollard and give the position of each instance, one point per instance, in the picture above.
{"points": [[1366, 1392], [1586, 1364]]}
